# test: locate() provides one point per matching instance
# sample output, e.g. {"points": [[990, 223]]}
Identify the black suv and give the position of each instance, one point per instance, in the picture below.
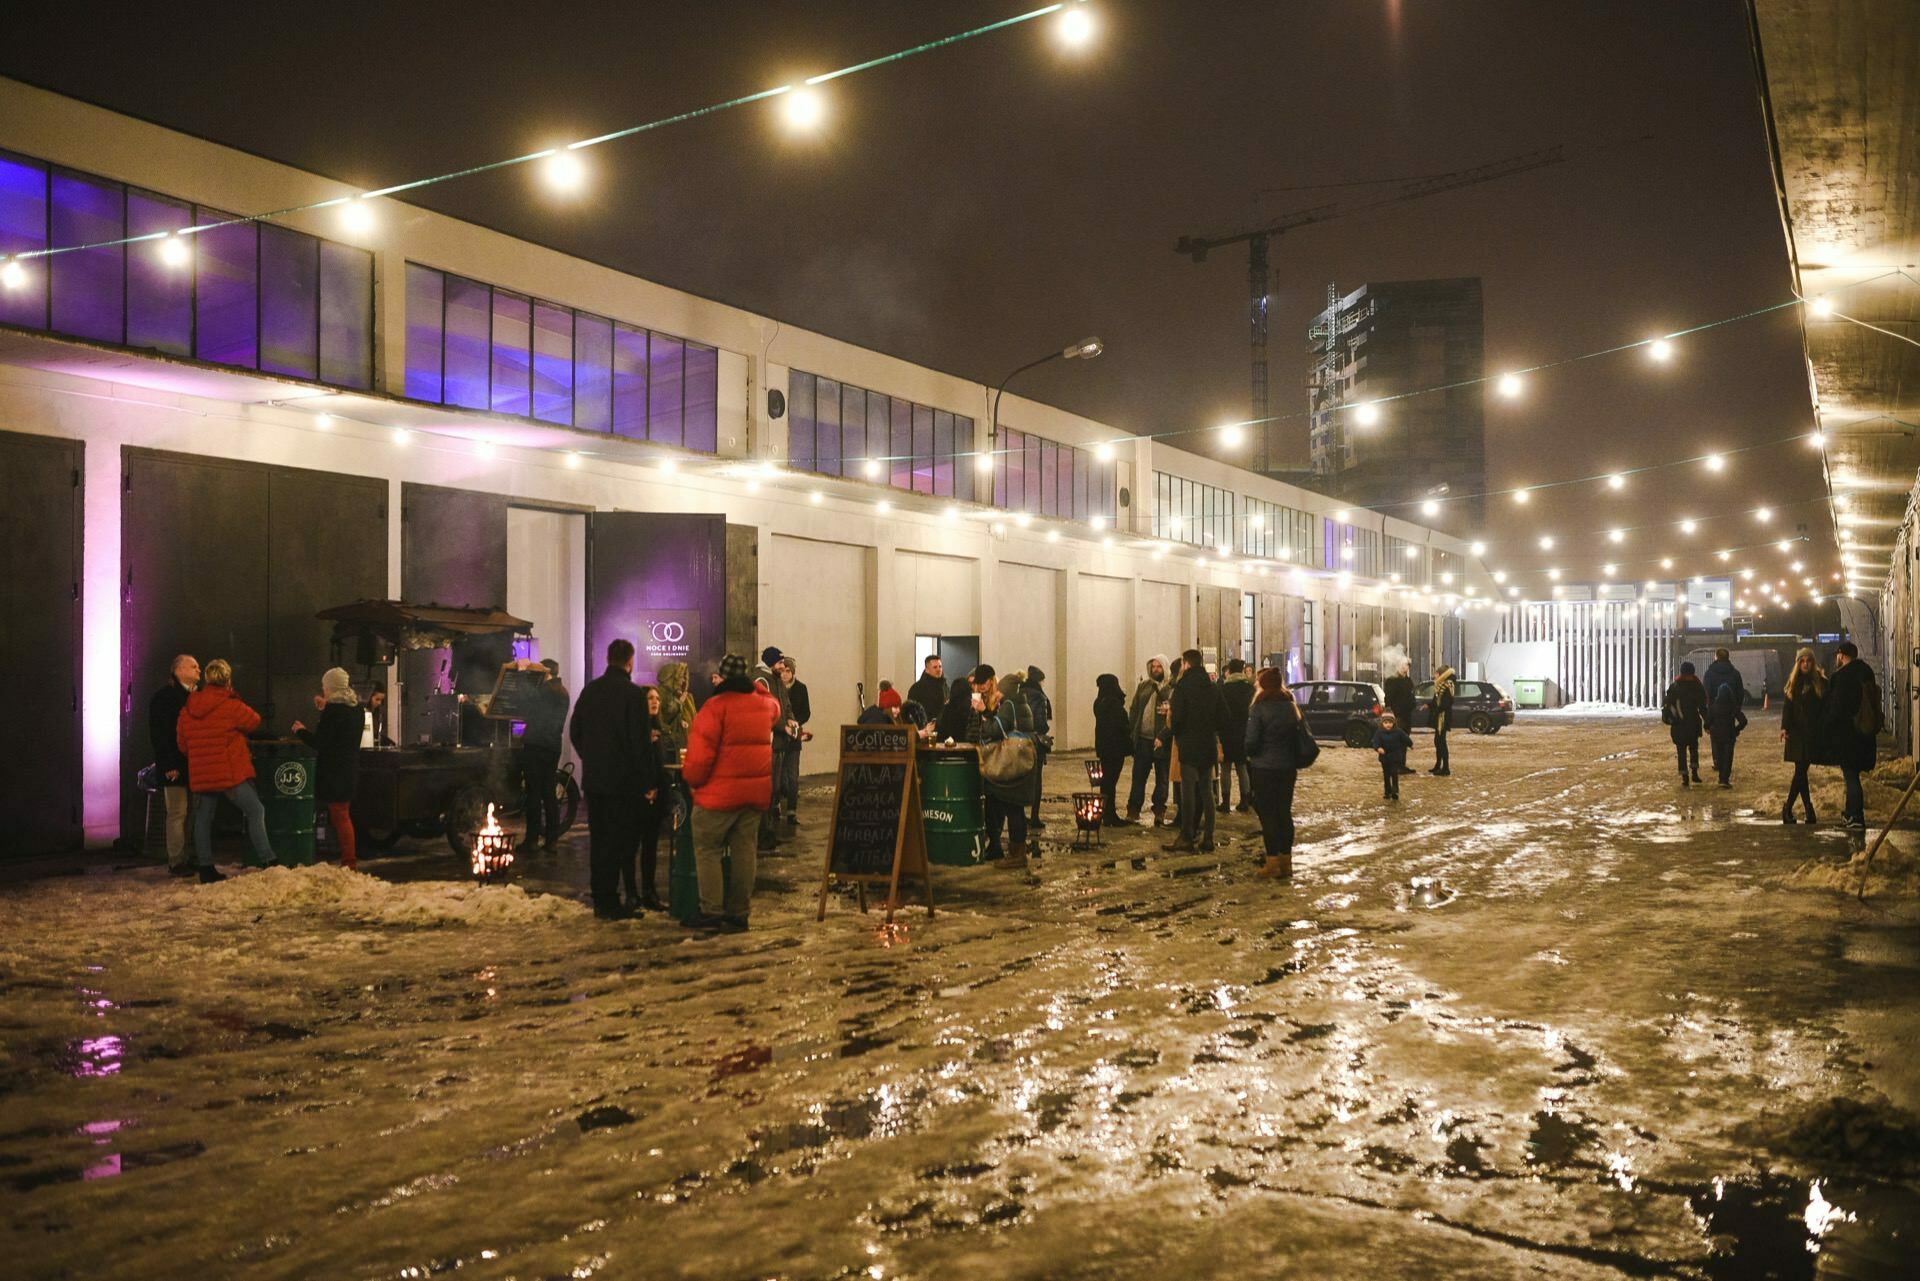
{"points": [[1346, 710], [1481, 706]]}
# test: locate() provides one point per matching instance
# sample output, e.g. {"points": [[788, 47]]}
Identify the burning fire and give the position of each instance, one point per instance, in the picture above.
{"points": [[492, 848]]}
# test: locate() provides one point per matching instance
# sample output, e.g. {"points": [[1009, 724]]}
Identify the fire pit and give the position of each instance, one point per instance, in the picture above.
{"points": [[1096, 772], [492, 850], [1089, 811]]}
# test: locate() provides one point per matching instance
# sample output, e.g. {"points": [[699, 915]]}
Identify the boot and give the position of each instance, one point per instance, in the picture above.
{"points": [[1696, 776], [1786, 812], [1159, 816], [209, 874], [1179, 845], [1278, 867], [1806, 803], [1133, 815], [1683, 778], [1016, 859]]}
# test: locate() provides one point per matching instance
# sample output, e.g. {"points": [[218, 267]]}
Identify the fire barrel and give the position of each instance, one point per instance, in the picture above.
{"points": [[952, 805], [284, 773]]}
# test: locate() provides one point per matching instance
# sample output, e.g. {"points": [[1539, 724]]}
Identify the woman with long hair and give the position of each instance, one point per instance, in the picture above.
{"points": [[1273, 737], [1112, 741], [956, 718], [1800, 726], [656, 808], [335, 741]]}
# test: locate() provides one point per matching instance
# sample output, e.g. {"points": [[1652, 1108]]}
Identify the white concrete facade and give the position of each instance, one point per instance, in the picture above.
{"points": [[843, 582]]}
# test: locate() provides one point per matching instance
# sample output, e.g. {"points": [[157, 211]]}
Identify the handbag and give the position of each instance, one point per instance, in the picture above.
{"points": [[1306, 748], [1007, 760]]}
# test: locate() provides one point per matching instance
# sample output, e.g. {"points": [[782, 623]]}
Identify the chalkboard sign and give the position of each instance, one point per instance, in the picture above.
{"points": [[515, 693], [877, 832]]}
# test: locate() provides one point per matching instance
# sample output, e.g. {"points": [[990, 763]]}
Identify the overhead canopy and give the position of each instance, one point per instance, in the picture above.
{"points": [[409, 626], [1840, 83]]}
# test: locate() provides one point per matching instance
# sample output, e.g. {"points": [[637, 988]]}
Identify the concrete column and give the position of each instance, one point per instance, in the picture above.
{"points": [[101, 695], [1065, 677], [889, 654]]}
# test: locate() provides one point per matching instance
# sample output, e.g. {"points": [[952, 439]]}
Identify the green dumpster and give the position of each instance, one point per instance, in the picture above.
{"points": [[952, 805], [683, 876], [283, 776], [1528, 692]]}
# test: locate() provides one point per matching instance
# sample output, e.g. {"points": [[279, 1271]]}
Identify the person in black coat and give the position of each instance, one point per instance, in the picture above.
{"points": [[931, 690], [612, 733], [335, 741], [1800, 704], [1275, 731], [540, 744], [654, 812], [958, 717], [1236, 695], [1197, 718], [1852, 707], [1397, 692], [1720, 673], [1112, 740], [1725, 720], [169, 762], [1684, 709]]}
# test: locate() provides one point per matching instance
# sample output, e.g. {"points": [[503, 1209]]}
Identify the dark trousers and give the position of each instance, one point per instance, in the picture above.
{"points": [[1012, 817], [1146, 760], [538, 765], [1039, 764], [1390, 777], [1800, 788], [1688, 751], [1110, 782], [786, 781], [613, 836], [1721, 741], [1196, 802], [1856, 799], [1441, 761], [1273, 801], [1228, 769], [650, 815]]}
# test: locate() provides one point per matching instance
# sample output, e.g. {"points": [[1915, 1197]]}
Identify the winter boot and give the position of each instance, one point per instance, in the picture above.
{"points": [[209, 874], [1179, 845], [1159, 816], [1696, 776], [1683, 778], [1133, 815], [1278, 867], [1016, 859], [1806, 803], [1786, 813]]}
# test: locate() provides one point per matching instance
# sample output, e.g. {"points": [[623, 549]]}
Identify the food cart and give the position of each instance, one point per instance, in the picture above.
{"points": [[452, 760]]}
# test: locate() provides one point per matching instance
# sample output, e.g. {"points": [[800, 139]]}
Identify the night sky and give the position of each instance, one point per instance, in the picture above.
{"points": [[980, 205]]}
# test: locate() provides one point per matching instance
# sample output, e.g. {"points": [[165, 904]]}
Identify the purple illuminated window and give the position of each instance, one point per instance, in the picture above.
{"points": [[827, 427], [23, 226], [630, 382], [89, 287], [942, 453], [900, 445], [665, 375], [469, 321], [963, 460], [346, 315], [159, 296], [1049, 478], [853, 432], [512, 368], [800, 420], [552, 363], [227, 291], [703, 398], [289, 302], [426, 294], [592, 372], [1035, 478], [922, 450]]}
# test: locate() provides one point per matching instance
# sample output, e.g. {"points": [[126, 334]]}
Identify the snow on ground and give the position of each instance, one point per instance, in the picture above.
{"points": [[1552, 1017], [1590, 710]]}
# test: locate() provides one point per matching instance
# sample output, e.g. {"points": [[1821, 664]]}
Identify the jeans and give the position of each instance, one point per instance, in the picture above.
{"points": [[1688, 751], [653, 814], [1228, 769], [613, 834], [179, 802], [1856, 799], [734, 834], [1039, 764], [206, 805], [786, 781], [1390, 777], [1012, 817], [538, 766], [1273, 799], [1196, 802], [1145, 759]]}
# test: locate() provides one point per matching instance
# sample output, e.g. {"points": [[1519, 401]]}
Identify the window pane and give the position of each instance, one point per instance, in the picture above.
{"points": [[1076, 464], [512, 366], [703, 398], [922, 449], [942, 453], [552, 363], [1049, 478], [853, 432], [827, 434], [800, 420], [159, 297], [964, 462], [592, 372], [1035, 477], [227, 293], [425, 295], [630, 382], [880, 433], [23, 226], [900, 445], [289, 302], [89, 287], [665, 360], [469, 333], [1013, 467], [346, 315]]}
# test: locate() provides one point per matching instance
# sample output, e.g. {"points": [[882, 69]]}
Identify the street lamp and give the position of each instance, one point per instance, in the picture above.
{"points": [[1085, 349]]}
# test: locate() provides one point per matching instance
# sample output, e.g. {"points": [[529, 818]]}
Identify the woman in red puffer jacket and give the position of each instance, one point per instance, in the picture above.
{"points": [[729, 766], [213, 733]]}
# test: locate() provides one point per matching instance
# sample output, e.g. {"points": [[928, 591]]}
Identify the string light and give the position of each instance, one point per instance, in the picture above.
{"points": [[1785, 544], [1521, 496], [668, 466], [401, 436], [816, 498], [1075, 26], [1821, 306], [1024, 519], [174, 251], [1509, 385], [870, 469], [1231, 436], [983, 462], [1546, 542], [1688, 526], [1616, 535], [1714, 462], [562, 171], [356, 218], [13, 275], [1666, 562], [1477, 548], [883, 507], [1430, 508], [802, 108], [1103, 451], [1367, 414], [1818, 440], [1616, 481], [1660, 349]]}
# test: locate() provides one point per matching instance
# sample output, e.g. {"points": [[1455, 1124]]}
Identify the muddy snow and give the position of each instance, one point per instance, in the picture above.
{"points": [[1554, 1016]]}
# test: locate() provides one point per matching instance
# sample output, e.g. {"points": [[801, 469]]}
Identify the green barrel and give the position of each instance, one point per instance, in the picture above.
{"points": [[952, 805], [284, 771], [683, 878]]}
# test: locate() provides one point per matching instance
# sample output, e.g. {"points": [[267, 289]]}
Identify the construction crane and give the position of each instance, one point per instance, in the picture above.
{"points": [[1259, 286]]}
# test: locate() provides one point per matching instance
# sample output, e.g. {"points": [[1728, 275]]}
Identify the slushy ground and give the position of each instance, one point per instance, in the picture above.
{"points": [[1552, 1017]]}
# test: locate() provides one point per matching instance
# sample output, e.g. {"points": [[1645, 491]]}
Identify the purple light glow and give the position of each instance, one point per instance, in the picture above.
{"points": [[95, 1056]]}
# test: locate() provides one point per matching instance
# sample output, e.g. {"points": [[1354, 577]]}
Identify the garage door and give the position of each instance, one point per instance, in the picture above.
{"points": [[1101, 643], [815, 598], [1162, 624], [1026, 621]]}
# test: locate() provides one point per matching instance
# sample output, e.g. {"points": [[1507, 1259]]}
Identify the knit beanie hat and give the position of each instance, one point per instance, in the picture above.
{"points": [[733, 667], [769, 656], [337, 687], [889, 698]]}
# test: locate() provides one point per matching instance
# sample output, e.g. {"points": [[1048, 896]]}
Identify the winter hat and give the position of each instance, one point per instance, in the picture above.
{"points": [[337, 687], [734, 667], [1269, 684], [1035, 676], [889, 698], [1686, 669], [769, 656]]}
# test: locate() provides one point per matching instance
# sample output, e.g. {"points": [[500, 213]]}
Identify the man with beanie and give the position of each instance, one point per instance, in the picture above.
{"points": [[612, 731], [540, 758], [163, 723], [729, 768]]}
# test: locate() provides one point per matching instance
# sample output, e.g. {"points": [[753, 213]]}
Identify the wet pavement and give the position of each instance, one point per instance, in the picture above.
{"points": [[1550, 1017]]}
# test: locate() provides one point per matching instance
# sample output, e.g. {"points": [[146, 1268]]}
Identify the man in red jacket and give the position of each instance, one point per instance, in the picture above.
{"points": [[213, 731], [729, 766]]}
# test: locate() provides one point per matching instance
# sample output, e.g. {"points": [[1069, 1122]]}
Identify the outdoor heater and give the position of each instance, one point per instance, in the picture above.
{"points": [[1096, 773], [492, 849], [1089, 811]]}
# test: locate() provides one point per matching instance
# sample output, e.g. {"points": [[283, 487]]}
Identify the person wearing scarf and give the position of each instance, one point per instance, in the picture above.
{"points": [[1442, 720], [335, 740]]}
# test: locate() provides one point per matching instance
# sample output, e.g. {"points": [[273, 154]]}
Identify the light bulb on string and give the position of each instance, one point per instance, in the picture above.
{"points": [[174, 251], [564, 172], [803, 108], [1660, 349], [870, 469], [1607, 570], [1817, 439], [1478, 548], [1688, 526], [1075, 26], [883, 507], [1430, 508], [1616, 481], [1521, 496], [1666, 562], [1367, 414], [1509, 385], [1546, 542], [356, 217], [1820, 306], [1104, 451], [1763, 514], [1785, 544], [1714, 462], [1231, 436], [1554, 574], [1616, 535], [983, 462], [13, 275]]}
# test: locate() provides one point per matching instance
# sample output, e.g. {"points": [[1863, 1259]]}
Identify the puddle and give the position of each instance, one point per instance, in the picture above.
{"points": [[92, 1056]]}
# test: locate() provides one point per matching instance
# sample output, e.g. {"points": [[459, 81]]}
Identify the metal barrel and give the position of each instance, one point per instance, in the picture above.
{"points": [[284, 774], [683, 878], [952, 805]]}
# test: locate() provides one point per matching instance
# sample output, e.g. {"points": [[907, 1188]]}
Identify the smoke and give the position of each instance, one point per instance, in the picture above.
{"points": [[1392, 656]]}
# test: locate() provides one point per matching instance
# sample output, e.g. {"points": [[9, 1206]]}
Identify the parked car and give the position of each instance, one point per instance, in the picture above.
{"points": [[1346, 710], [1480, 706]]}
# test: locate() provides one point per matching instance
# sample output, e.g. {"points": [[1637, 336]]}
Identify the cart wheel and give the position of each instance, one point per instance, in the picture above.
{"points": [[569, 794], [466, 814]]}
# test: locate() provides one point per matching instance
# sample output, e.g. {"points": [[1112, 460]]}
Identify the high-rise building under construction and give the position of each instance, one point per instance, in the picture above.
{"points": [[1413, 350]]}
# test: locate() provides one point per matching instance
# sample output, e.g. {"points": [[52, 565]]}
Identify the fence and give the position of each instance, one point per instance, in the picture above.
{"points": [[1605, 651]]}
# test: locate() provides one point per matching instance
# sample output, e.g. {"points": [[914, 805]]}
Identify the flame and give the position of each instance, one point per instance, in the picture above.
{"points": [[493, 827]]}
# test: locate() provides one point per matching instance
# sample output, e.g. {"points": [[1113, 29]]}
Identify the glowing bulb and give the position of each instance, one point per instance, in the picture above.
{"points": [[1724, 555], [1478, 549], [1821, 306], [1053, 535], [323, 421], [668, 466], [356, 216], [1616, 535], [486, 449], [1346, 553], [951, 514], [571, 461], [1104, 451], [1430, 508], [401, 436], [816, 498], [1367, 414], [1509, 385], [1173, 523], [1340, 517], [1554, 574], [883, 506], [1818, 440], [753, 485], [174, 251], [1666, 562], [1513, 591], [1256, 520], [1797, 567], [1098, 522], [1521, 496], [13, 275], [563, 171], [1546, 542], [870, 469], [803, 108], [1607, 570], [1714, 462], [1763, 514], [1616, 481], [1410, 553], [1660, 349], [983, 462], [1785, 544], [1023, 520], [1231, 436], [1687, 526], [1075, 26], [1499, 575]]}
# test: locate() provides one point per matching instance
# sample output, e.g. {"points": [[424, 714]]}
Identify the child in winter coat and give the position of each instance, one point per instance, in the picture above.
{"points": [[1390, 744], [1725, 720]]}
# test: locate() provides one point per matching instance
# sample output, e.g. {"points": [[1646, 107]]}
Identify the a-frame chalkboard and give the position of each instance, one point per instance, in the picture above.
{"points": [[877, 833]]}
